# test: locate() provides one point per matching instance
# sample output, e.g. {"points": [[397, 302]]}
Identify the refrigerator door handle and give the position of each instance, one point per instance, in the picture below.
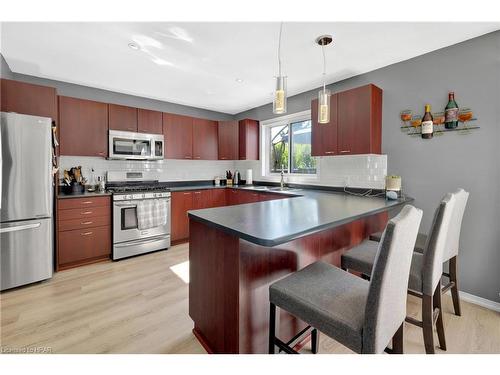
{"points": [[20, 227]]}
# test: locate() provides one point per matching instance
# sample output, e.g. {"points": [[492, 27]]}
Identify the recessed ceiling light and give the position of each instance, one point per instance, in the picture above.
{"points": [[239, 80], [133, 46]]}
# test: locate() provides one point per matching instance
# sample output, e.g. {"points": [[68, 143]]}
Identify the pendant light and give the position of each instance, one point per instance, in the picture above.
{"points": [[279, 102], [324, 94]]}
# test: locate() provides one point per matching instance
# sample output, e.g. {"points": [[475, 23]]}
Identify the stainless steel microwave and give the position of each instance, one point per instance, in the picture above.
{"points": [[135, 146]]}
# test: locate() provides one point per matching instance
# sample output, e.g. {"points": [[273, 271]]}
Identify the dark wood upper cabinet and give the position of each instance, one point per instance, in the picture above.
{"points": [[248, 139], [149, 121], [228, 140], [28, 99], [360, 121], [355, 125], [178, 132], [83, 127], [122, 118], [205, 139], [324, 136]]}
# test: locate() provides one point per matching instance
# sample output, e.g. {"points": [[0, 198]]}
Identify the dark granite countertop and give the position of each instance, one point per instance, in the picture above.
{"points": [[86, 194], [274, 222]]}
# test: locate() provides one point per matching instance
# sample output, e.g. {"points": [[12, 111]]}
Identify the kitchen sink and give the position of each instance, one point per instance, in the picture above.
{"points": [[278, 188]]}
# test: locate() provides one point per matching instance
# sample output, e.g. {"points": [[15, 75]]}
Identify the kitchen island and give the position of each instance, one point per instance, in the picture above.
{"points": [[236, 252]]}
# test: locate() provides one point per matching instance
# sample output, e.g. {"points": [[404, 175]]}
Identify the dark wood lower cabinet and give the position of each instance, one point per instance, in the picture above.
{"points": [[84, 245], [83, 231], [183, 201], [230, 278]]}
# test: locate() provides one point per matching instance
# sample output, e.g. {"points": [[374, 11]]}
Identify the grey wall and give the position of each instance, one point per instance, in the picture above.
{"points": [[430, 168], [85, 92]]}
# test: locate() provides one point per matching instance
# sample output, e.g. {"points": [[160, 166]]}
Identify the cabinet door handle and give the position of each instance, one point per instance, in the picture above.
{"points": [[329, 152], [345, 151], [86, 222], [86, 233], [187, 157], [186, 193], [197, 192], [87, 202], [223, 158], [197, 157], [87, 212]]}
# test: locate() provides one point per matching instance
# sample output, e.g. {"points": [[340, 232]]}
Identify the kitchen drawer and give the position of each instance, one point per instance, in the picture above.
{"points": [[87, 222], [86, 244], [83, 213], [70, 203]]}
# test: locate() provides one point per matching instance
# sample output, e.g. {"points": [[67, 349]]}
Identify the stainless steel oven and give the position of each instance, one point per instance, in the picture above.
{"points": [[135, 146], [128, 239]]}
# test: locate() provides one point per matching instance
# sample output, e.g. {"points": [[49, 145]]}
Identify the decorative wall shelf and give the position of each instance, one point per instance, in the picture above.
{"points": [[412, 124]]}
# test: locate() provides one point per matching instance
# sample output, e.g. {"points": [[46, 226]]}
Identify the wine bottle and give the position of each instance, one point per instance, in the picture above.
{"points": [[451, 112], [427, 123]]}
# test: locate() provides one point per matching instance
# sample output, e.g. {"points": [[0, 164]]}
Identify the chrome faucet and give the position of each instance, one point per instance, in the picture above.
{"points": [[282, 182]]}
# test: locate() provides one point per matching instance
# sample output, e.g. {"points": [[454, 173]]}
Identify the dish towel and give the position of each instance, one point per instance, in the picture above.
{"points": [[151, 213]]}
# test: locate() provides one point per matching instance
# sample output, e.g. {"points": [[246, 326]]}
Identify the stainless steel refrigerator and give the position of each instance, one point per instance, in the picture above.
{"points": [[26, 229]]}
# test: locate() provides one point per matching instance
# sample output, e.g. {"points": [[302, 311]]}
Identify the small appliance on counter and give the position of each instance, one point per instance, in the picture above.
{"points": [[393, 188], [236, 177]]}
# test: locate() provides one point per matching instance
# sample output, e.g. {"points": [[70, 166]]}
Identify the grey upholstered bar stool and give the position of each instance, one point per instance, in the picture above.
{"points": [[362, 315], [425, 271], [451, 253]]}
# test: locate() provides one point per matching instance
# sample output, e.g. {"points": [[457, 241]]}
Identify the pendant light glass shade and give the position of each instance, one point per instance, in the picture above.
{"points": [[279, 102], [324, 94], [324, 106]]}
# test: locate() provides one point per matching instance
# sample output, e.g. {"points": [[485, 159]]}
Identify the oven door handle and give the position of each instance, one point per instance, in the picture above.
{"points": [[125, 205], [138, 242]]}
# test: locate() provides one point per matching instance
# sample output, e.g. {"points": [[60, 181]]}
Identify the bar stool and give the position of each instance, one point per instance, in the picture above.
{"points": [[362, 315], [451, 254], [425, 271]]}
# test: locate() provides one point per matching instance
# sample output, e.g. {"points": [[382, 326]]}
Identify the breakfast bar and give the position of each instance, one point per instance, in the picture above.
{"points": [[236, 252]]}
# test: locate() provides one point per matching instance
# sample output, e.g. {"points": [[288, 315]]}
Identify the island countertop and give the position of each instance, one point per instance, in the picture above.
{"points": [[305, 212]]}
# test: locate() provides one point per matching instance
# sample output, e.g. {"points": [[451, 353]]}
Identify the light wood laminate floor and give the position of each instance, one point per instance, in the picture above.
{"points": [[140, 305]]}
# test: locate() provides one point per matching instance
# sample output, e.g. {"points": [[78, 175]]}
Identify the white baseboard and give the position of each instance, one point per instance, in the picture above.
{"points": [[480, 301]]}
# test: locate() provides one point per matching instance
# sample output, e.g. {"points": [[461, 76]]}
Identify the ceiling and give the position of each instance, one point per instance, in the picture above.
{"points": [[225, 67]]}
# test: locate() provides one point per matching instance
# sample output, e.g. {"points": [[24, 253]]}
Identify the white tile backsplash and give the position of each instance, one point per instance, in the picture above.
{"points": [[167, 170], [364, 171]]}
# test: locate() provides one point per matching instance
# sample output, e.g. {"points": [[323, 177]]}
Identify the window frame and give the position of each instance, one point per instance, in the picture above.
{"points": [[266, 146]]}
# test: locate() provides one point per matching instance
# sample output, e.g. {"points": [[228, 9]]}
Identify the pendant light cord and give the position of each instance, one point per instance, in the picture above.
{"points": [[279, 50], [324, 67]]}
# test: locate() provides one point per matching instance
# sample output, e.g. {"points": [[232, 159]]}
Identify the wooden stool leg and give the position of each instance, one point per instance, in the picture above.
{"points": [[427, 323], [272, 327], [454, 290], [439, 322], [314, 341], [397, 340]]}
